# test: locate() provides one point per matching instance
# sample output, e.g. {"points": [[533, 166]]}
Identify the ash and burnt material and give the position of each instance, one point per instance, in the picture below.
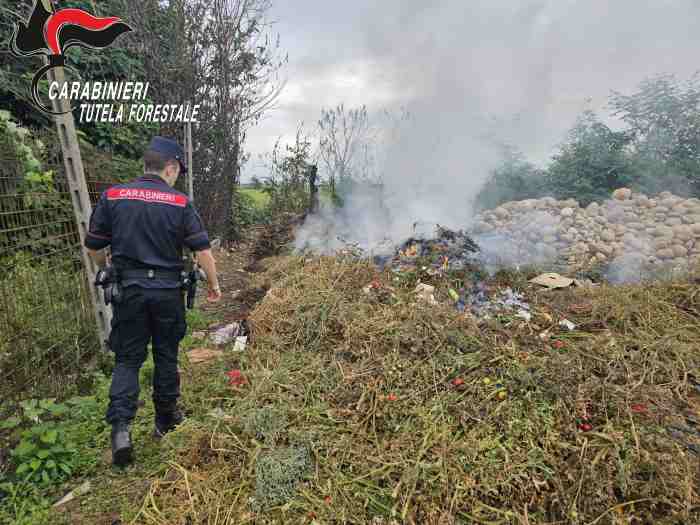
{"points": [[448, 250]]}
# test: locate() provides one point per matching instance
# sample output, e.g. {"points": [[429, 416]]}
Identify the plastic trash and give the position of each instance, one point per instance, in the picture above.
{"points": [[552, 281], [565, 323], [524, 314], [425, 292], [226, 334], [77, 492], [241, 343]]}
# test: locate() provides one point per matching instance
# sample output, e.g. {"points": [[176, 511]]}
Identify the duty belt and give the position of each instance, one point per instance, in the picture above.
{"points": [[161, 275]]}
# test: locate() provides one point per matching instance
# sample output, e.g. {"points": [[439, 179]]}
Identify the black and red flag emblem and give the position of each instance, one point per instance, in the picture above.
{"points": [[52, 33]]}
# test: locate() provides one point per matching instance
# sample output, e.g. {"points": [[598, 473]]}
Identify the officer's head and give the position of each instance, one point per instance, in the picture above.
{"points": [[165, 157]]}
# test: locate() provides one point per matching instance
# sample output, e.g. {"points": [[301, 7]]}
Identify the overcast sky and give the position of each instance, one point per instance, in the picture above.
{"points": [[458, 62]]}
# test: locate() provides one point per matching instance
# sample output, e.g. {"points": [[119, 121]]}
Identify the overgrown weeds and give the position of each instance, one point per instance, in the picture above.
{"points": [[415, 413]]}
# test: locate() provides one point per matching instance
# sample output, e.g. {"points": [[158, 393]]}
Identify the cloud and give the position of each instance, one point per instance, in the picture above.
{"points": [[532, 64]]}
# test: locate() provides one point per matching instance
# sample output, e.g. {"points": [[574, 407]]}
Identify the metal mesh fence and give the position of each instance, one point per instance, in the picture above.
{"points": [[48, 337]]}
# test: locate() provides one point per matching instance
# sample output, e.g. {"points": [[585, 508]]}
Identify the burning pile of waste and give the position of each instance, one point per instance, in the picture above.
{"points": [[447, 250]]}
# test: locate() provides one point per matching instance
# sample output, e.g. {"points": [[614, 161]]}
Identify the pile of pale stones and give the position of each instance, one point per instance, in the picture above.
{"points": [[664, 229]]}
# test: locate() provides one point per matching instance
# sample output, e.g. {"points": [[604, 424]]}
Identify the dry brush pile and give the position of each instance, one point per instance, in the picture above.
{"points": [[356, 407]]}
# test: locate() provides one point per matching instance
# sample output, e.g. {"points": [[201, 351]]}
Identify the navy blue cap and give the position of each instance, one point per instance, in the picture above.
{"points": [[170, 149]]}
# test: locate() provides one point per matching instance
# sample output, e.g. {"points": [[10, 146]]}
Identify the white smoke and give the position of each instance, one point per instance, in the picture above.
{"points": [[475, 76]]}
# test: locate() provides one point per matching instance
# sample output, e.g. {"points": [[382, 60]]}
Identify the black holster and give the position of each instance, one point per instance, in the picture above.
{"points": [[189, 283], [108, 279]]}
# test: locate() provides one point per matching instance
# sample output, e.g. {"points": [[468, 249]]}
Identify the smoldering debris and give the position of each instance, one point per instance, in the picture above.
{"points": [[484, 303]]}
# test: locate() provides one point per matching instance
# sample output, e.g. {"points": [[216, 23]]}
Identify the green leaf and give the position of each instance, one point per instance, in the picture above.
{"points": [[25, 448], [46, 404], [50, 464], [12, 422], [43, 454], [50, 437], [35, 464], [22, 469], [45, 476], [28, 405], [65, 468], [58, 410]]}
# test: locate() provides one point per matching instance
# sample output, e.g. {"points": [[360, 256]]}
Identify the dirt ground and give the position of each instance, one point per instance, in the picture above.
{"points": [[234, 265]]}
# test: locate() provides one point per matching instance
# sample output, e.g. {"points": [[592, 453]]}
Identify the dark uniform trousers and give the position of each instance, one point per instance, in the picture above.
{"points": [[144, 315]]}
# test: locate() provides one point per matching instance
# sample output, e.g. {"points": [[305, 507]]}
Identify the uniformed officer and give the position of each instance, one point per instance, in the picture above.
{"points": [[146, 222]]}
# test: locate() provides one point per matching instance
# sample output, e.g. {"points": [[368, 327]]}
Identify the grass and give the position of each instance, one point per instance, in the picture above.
{"points": [[259, 197], [377, 408], [366, 383]]}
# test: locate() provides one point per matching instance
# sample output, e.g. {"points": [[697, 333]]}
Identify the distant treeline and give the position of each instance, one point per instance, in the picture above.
{"points": [[658, 149]]}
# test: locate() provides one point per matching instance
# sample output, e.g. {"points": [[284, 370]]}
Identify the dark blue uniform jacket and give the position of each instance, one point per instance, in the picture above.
{"points": [[147, 223]]}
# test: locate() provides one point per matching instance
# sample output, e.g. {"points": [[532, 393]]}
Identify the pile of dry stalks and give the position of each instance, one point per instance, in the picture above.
{"points": [[377, 407]]}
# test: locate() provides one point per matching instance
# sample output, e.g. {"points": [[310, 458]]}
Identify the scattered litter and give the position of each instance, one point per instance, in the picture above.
{"points": [[545, 336], [454, 295], [377, 289], [552, 281], [75, 493], [426, 292], [236, 378], [565, 323], [639, 408], [215, 244], [524, 314], [241, 343], [696, 385], [374, 285], [199, 335], [483, 306], [202, 355], [227, 333]]}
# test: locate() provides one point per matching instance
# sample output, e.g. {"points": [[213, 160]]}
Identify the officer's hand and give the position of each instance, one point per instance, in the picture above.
{"points": [[214, 295]]}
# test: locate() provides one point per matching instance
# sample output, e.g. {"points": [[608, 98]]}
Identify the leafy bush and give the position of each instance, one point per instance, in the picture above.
{"points": [[287, 184], [514, 179], [247, 212], [43, 454]]}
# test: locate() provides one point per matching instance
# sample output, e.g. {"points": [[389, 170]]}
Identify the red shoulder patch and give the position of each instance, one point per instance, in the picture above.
{"points": [[152, 196]]}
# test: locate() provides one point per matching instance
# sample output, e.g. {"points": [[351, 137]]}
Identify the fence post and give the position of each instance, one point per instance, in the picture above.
{"points": [[80, 198], [313, 188]]}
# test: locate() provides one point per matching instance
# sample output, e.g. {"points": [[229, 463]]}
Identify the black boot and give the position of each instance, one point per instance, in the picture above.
{"points": [[167, 420], [122, 448]]}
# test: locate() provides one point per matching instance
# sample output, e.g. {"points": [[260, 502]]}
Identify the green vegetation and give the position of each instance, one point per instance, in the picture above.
{"points": [[658, 149], [42, 455], [355, 407], [259, 198]]}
